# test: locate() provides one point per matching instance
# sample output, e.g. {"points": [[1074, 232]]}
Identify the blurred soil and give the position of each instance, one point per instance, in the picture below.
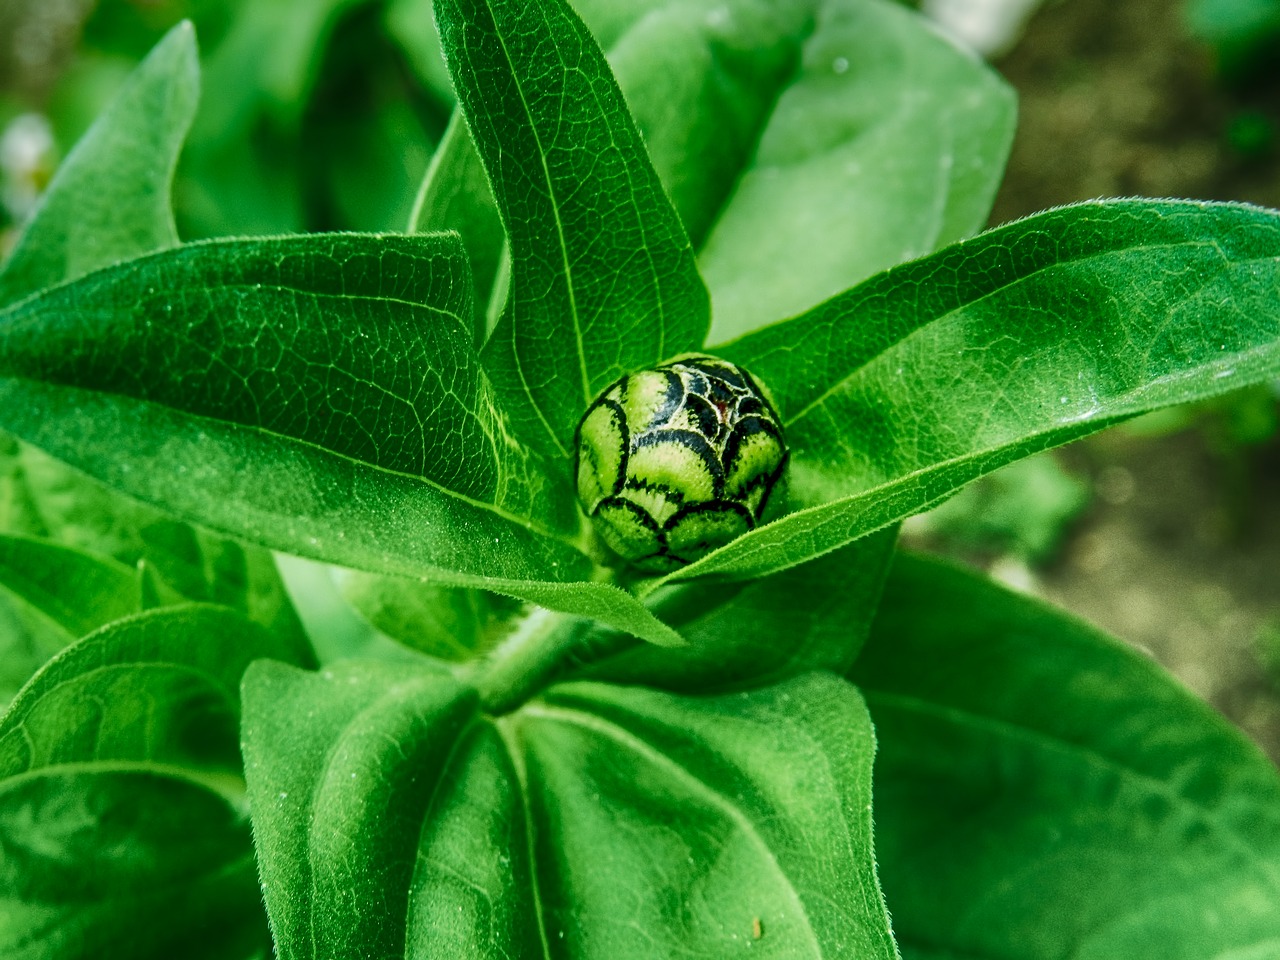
{"points": [[1179, 552]]}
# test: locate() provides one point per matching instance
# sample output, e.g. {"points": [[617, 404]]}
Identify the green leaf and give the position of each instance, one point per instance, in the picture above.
{"points": [[19, 511], [50, 595], [602, 276], [49, 499], [317, 395], [455, 195], [701, 77], [344, 354], [448, 623], [110, 198], [887, 144], [185, 563], [127, 741], [241, 170], [929, 375], [76, 590], [910, 147], [1044, 792], [596, 822], [124, 863], [811, 617]]}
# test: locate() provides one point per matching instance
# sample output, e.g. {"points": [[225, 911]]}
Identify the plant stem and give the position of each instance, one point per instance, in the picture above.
{"points": [[544, 646]]}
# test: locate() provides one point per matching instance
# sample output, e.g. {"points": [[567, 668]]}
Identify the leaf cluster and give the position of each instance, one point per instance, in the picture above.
{"points": [[563, 759]]}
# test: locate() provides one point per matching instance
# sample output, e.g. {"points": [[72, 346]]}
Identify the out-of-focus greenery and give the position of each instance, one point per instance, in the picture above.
{"points": [[296, 132], [1244, 34], [1024, 511]]}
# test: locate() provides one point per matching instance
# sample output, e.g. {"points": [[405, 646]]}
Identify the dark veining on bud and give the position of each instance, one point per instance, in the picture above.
{"points": [[676, 461]]}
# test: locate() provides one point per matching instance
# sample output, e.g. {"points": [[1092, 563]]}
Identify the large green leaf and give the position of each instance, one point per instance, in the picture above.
{"points": [[319, 395], [931, 374], [906, 158], [885, 145], [121, 801], [596, 821], [1044, 792], [602, 275], [700, 77], [110, 198]]}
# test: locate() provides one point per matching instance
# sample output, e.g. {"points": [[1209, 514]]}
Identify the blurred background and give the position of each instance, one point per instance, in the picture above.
{"points": [[1165, 532]]}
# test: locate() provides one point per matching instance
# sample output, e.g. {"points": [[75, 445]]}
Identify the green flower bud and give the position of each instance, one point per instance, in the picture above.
{"points": [[676, 461]]}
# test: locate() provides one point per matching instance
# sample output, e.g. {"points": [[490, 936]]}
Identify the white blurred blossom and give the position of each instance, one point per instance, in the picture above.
{"points": [[28, 156], [988, 27]]}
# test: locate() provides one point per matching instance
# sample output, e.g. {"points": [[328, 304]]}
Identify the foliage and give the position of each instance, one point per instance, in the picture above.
{"points": [[562, 757]]}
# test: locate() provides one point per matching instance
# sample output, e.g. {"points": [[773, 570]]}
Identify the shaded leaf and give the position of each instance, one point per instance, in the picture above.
{"points": [[886, 144], [1043, 791], [701, 78], [50, 595], [70, 508], [121, 804], [184, 563], [810, 617], [596, 822], [76, 590], [448, 623], [124, 863], [241, 168], [110, 198], [931, 374], [602, 277], [455, 195]]}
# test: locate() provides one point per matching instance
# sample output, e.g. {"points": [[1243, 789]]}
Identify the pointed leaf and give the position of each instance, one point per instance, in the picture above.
{"points": [[127, 741], [925, 377], [598, 822], [602, 277], [886, 144], [1044, 792], [110, 198], [911, 146]]}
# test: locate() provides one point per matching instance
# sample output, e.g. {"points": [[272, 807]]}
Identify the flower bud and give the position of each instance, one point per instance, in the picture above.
{"points": [[676, 461]]}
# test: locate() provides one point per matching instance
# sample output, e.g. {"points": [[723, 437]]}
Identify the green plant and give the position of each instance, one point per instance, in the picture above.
{"points": [[635, 766]]}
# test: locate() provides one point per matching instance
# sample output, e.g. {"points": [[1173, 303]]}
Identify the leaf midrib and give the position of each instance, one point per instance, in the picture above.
{"points": [[563, 246], [594, 724], [525, 522], [515, 754]]}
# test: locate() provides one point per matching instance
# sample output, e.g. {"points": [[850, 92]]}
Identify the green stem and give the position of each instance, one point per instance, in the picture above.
{"points": [[543, 647]]}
